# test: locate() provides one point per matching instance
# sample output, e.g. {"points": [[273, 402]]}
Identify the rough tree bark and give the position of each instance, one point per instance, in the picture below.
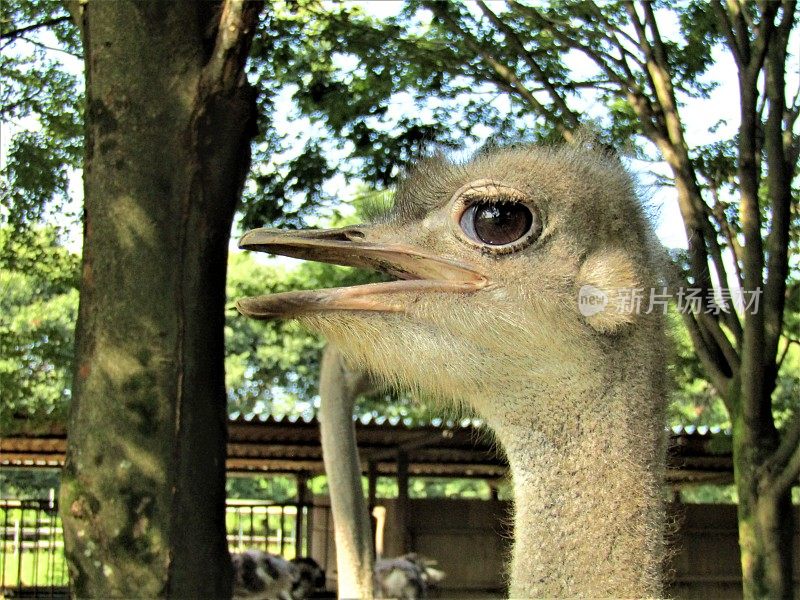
{"points": [[338, 389], [168, 125]]}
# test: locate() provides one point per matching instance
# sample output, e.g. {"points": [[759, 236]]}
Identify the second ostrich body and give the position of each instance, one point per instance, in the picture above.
{"points": [[491, 259]]}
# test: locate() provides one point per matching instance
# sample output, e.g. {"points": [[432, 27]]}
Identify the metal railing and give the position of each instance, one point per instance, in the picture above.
{"points": [[32, 548], [32, 561], [275, 528]]}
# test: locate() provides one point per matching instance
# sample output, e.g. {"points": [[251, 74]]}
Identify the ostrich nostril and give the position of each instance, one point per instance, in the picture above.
{"points": [[341, 234], [354, 234]]}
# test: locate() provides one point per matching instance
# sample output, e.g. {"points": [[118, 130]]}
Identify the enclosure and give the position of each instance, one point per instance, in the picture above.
{"points": [[469, 538]]}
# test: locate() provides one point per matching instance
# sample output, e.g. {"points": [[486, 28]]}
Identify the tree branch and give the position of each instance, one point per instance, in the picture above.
{"points": [[617, 31], [793, 110], [789, 476], [718, 214], [779, 184], [782, 469], [723, 18], [510, 35], [673, 144], [663, 127], [728, 351], [740, 30], [729, 315], [237, 24], [14, 33], [708, 351], [789, 342], [644, 43], [500, 69], [572, 42], [76, 10], [6, 109], [764, 33], [718, 378], [50, 48], [647, 113], [754, 395], [659, 51], [714, 250]]}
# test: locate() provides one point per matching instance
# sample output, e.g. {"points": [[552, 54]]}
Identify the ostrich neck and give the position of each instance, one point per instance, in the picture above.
{"points": [[587, 470]]}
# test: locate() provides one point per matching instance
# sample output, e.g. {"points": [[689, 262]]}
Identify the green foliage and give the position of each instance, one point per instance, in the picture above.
{"points": [[694, 400], [361, 90], [786, 398], [38, 308], [476, 489], [381, 90], [386, 487], [41, 102], [273, 367], [29, 483], [268, 363], [275, 488], [41, 106], [719, 494], [429, 487], [709, 494]]}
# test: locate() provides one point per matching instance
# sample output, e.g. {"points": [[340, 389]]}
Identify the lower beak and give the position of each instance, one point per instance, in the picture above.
{"points": [[415, 269]]}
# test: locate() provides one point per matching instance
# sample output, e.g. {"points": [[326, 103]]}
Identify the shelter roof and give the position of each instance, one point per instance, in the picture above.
{"points": [[440, 448]]}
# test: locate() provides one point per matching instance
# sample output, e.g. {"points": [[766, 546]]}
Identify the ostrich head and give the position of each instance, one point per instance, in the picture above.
{"points": [[491, 261]]}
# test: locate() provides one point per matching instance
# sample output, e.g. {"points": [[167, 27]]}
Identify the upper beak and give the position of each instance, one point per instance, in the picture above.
{"points": [[416, 269]]}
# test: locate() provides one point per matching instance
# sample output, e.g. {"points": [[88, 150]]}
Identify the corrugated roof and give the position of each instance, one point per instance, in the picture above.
{"points": [[368, 419], [699, 430], [408, 422]]}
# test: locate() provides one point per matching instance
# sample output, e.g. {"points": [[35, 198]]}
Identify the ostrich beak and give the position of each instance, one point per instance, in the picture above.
{"points": [[415, 270]]}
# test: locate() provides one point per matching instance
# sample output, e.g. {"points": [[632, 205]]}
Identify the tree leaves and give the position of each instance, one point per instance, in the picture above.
{"points": [[38, 308], [41, 103]]}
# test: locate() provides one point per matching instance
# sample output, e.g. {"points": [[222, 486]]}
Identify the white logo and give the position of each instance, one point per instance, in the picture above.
{"points": [[591, 300]]}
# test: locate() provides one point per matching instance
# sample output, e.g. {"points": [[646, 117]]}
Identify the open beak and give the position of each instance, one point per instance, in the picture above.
{"points": [[415, 270]]}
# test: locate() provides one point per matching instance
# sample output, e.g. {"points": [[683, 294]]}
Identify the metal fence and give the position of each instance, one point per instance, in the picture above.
{"points": [[32, 562], [275, 528], [32, 548]]}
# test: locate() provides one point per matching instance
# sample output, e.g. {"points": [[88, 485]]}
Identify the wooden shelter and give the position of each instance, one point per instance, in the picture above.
{"points": [[469, 542], [387, 447]]}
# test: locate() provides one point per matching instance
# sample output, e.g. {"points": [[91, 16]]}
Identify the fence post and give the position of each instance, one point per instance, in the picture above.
{"points": [[302, 498]]}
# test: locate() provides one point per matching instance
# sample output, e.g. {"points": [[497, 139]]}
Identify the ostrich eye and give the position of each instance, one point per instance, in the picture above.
{"points": [[496, 217], [498, 223]]}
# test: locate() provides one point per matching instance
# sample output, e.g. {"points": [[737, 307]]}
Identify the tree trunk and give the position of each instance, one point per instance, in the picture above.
{"points": [[338, 389], [168, 124], [766, 523]]}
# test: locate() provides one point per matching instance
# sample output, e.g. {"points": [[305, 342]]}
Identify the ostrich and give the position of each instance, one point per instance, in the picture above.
{"points": [[406, 577], [493, 259], [258, 575]]}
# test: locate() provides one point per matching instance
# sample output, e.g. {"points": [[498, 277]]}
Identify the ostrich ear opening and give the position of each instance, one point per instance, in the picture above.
{"points": [[610, 294]]}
